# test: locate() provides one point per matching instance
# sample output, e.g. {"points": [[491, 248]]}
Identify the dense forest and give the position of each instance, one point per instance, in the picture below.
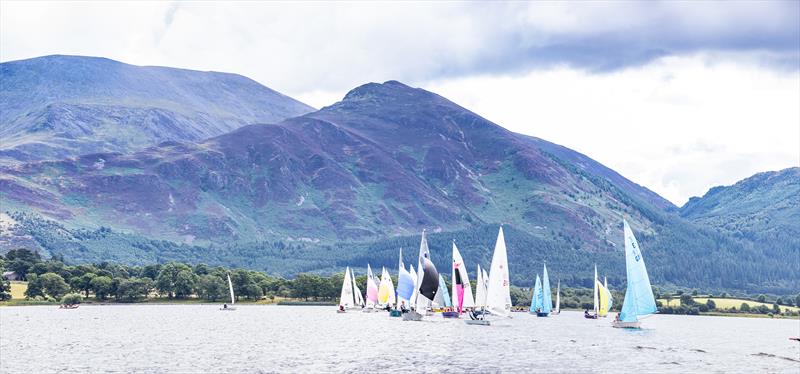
{"points": [[672, 264]]}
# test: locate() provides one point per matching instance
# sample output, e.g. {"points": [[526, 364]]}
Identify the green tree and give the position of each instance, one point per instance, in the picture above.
{"points": [[687, 300], [762, 298], [797, 300], [184, 283], [102, 286], [53, 285], [167, 279], [35, 288], [745, 307], [21, 261], [694, 292], [83, 283], [133, 289], [211, 287], [776, 308], [711, 304], [71, 299], [5, 290]]}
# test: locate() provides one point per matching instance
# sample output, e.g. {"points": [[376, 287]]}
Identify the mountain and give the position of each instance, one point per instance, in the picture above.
{"points": [[55, 107], [352, 183], [764, 207]]}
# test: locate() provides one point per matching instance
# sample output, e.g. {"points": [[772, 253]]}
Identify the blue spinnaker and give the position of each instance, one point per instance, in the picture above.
{"points": [[639, 300]]}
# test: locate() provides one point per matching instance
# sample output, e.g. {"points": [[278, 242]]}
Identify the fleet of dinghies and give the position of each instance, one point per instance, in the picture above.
{"points": [[423, 292]]}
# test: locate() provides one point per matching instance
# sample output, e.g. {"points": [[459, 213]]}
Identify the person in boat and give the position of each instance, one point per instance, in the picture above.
{"points": [[403, 308], [225, 306], [388, 308], [586, 313], [617, 318], [341, 308]]}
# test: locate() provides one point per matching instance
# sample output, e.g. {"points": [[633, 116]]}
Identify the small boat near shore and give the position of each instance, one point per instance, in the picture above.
{"points": [[227, 307]]}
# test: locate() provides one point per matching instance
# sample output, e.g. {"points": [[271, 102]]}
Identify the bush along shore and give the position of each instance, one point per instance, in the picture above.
{"points": [[51, 281]]}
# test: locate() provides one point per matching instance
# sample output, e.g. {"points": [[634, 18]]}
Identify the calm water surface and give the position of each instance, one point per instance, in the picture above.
{"points": [[200, 338]]}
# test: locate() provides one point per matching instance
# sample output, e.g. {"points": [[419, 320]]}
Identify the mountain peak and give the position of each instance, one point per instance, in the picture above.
{"points": [[377, 91]]}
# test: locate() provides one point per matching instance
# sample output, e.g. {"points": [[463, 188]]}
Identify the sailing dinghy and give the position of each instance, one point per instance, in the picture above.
{"points": [[347, 299], [557, 310], [639, 300], [498, 292], [427, 283], [462, 289], [405, 288], [386, 296], [233, 299], [542, 302], [596, 307], [372, 292]]}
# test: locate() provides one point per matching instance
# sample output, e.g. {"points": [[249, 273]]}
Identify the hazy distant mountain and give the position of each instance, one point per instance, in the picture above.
{"points": [[765, 206], [59, 106], [353, 182]]}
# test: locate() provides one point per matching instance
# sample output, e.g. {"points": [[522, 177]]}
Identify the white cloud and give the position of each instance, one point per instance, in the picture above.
{"points": [[678, 126]]}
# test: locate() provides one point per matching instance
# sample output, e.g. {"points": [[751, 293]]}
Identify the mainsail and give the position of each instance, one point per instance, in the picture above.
{"points": [[347, 298], [602, 295], [558, 298], [610, 296], [359, 297], [372, 289], [230, 288], [462, 289], [536, 299], [547, 298], [386, 291], [639, 300], [498, 295], [480, 290], [413, 300]]}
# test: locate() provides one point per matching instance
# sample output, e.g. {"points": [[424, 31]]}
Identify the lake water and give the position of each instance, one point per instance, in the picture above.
{"points": [[200, 338]]}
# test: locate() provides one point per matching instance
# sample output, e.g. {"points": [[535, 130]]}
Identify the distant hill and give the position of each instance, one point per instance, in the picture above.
{"points": [[762, 208], [355, 181], [60, 106]]}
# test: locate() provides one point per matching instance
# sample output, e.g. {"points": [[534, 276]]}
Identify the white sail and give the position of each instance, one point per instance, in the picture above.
{"points": [[480, 290], [461, 268], [558, 298], [359, 298], [411, 302], [594, 292], [498, 295], [347, 299], [230, 287]]}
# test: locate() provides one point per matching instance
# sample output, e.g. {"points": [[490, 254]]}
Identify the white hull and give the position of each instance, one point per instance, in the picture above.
{"points": [[228, 308], [477, 322]]}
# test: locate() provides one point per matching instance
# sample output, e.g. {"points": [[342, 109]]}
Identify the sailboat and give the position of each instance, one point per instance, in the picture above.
{"points": [[596, 307], [547, 295], [639, 300], [536, 298], [557, 310], [461, 288], [498, 292], [233, 299], [372, 291], [386, 296], [480, 290], [427, 283], [347, 299]]}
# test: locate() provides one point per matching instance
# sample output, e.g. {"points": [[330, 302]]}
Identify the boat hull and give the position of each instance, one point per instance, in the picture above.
{"points": [[627, 325], [542, 314], [412, 316], [450, 314], [227, 309], [395, 313], [477, 322], [590, 316]]}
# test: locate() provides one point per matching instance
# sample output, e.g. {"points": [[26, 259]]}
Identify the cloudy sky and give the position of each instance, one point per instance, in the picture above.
{"points": [[677, 96]]}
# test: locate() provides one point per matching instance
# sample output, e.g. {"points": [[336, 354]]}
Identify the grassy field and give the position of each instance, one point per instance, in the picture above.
{"points": [[18, 290], [728, 303]]}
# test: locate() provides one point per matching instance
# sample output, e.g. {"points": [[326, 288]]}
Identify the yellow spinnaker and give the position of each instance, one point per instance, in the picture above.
{"points": [[603, 309]]}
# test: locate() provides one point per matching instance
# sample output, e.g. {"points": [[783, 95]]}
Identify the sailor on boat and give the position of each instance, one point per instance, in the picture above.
{"points": [[224, 306]]}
